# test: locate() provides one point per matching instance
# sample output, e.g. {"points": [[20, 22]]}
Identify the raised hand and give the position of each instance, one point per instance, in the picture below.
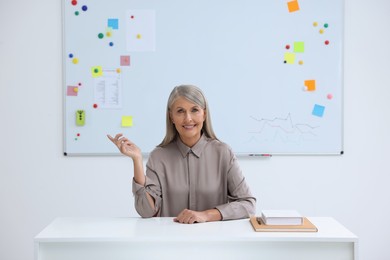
{"points": [[126, 147]]}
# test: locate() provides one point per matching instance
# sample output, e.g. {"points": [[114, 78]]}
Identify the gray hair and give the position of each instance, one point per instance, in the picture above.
{"points": [[194, 95]]}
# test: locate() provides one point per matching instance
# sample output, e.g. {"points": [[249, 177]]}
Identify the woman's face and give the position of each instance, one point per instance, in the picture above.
{"points": [[188, 119]]}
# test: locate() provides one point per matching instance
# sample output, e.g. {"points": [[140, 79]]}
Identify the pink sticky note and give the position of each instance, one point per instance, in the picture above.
{"points": [[125, 60], [72, 91]]}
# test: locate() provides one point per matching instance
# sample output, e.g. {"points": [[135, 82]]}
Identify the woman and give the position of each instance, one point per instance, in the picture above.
{"points": [[191, 175]]}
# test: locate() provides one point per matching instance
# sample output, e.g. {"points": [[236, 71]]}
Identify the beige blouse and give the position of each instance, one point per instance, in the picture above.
{"points": [[203, 177]]}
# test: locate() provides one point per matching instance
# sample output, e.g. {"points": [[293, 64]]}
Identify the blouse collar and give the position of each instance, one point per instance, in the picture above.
{"points": [[196, 149]]}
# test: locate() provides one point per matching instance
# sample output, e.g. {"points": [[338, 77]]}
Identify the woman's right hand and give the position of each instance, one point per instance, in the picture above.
{"points": [[126, 147]]}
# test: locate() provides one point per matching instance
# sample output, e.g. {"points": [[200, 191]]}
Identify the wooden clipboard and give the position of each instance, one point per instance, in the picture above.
{"points": [[259, 226]]}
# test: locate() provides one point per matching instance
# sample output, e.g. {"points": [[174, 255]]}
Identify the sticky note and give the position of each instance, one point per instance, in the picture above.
{"points": [[141, 30], [97, 71], [125, 60], [113, 23], [310, 85], [299, 47], [289, 57], [127, 121], [71, 91], [293, 6], [318, 110]]}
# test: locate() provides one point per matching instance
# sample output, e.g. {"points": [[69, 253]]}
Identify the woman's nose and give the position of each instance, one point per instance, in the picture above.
{"points": [[188, 117]]}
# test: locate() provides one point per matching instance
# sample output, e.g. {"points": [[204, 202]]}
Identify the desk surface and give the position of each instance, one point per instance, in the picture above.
{"points": [[158, 229]]}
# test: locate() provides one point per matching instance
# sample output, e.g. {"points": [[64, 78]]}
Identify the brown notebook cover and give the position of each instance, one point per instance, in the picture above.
{"points": [[259, 226]]}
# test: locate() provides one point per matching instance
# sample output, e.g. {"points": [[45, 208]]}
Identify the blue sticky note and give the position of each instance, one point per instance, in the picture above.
{"points": [[318, 110], [113, 23]]}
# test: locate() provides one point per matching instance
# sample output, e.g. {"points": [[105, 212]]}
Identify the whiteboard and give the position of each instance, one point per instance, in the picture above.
{"points": [[272, 72]]}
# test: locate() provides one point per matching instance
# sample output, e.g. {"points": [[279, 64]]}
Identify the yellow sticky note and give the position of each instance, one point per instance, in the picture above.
{"points": [[289, 58], [293, 6], [310, 85], [299, 47], [97, 71], [127, 121]]}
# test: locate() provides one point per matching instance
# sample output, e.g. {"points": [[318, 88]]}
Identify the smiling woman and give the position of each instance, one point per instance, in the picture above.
{"points": [[191, 175], [188, 120]]}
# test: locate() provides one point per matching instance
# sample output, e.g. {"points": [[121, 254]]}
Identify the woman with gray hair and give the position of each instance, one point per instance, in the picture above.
{"points": [[191, 175]]}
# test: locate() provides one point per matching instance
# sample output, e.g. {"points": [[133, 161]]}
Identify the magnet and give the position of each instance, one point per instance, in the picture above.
{"points": [[101, 36], [77, 13], [74, 2], [95, 106], [111, 44], [326, 42], [70, 55], [75, 61], [84, 8]]}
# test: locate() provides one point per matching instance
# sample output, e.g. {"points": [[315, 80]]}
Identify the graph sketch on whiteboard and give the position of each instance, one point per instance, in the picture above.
{"points": [[283, 128]]}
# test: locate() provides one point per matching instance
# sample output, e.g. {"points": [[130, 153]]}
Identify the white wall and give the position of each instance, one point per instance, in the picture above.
{"points": [[38, 184]]}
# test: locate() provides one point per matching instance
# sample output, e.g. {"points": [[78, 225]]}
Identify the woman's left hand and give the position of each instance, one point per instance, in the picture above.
{"points": [[190, 217]]}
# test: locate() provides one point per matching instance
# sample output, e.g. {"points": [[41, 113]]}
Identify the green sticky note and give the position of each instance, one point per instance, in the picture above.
{"points": [[127, 121], [299, 47], [289, 58]]}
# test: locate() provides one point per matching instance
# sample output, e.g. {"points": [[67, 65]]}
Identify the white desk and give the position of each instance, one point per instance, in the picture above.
{"points": [[161, 238]]}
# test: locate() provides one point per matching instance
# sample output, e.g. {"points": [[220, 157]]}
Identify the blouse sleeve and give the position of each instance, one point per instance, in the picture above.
{"points": [[153, 188], [241, 202]]}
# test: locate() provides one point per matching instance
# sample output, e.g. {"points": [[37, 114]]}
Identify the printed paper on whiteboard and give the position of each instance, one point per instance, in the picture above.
{"points": [[108, 90], [141, 30]]}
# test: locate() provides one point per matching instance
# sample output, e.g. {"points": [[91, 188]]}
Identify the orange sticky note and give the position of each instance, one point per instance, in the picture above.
{"points": [[293, 6], [310, 85]]}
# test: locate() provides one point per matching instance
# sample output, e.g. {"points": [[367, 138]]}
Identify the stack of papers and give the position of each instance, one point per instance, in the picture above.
{"points": [[281, 217]]}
